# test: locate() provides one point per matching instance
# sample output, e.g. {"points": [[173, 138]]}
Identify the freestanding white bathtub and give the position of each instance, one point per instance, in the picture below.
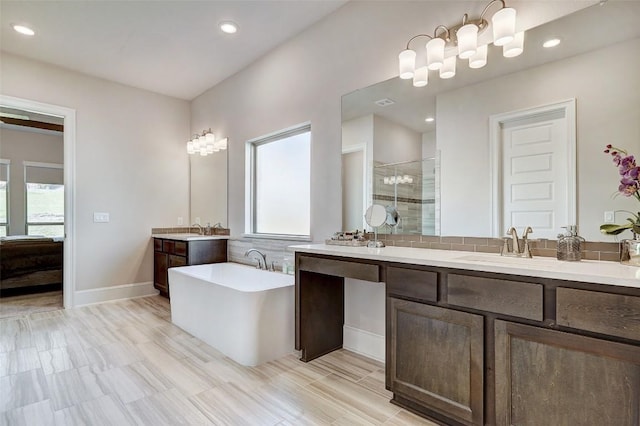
{"points": [[245, 313]]}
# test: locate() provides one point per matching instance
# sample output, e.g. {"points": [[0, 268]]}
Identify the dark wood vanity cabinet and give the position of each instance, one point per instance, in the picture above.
{"points": [[169, 253], [479, 348], [550, 377], [436, 359]]}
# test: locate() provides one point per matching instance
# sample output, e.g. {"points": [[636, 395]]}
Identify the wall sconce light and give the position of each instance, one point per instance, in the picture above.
{"points": [[205, 144], [464, 38]]}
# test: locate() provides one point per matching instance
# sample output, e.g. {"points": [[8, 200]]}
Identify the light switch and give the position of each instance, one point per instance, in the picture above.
{"points": [[180, 220], [100, 217]]}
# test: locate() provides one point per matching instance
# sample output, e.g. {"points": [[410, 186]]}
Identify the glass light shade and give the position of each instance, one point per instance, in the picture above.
{"points": [[223, 143], [210, 148], [421, 77], [467, 40], [210, 138], [515, 47], [435, 53], [448, 69], [504, 26], [203, 151], [196, 143], [479, 59], [407, 63], [190, 149]]}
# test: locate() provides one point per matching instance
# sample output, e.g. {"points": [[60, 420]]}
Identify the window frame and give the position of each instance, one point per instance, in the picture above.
{"points": [[26, 196], [250, 181], [5, 225]]}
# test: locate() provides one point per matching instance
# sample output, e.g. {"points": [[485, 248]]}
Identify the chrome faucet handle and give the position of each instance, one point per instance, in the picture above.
{"points": [[505, 247]]}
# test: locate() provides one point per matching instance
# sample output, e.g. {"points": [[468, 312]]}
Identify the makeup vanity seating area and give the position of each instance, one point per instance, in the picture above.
{"points": [[474, 338]]}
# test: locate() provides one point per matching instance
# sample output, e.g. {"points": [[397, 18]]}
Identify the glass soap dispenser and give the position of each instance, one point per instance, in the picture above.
{"points": [[570, 245]]}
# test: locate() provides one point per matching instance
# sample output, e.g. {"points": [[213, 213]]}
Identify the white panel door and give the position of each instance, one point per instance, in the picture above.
{"points": [[535, 188]]}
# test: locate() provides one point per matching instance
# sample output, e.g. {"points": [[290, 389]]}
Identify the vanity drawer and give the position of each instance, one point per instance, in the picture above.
{"points": [[180, 248], [515, 298], [413, 283], [340, 268], [167, 246], [605, 313]]}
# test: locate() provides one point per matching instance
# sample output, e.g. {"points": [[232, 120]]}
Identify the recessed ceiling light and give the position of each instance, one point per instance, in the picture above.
{"points": [[429, 119], [228, 27], [24, 30], [552, 42]]}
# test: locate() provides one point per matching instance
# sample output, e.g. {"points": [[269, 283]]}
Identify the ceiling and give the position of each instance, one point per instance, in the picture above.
{"points": [[170, 47]]}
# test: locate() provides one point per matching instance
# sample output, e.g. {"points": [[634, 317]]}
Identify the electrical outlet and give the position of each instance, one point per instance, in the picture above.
{"points": [[197, 221], [180, 220], [100, 217], [609, 217]]}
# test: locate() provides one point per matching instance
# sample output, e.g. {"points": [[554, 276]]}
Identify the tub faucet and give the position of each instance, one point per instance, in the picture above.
{"points": [[262, 260]]}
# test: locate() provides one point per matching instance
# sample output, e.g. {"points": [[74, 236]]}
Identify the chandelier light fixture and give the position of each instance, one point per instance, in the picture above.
{"points": [[463, 39], [206, 143]]}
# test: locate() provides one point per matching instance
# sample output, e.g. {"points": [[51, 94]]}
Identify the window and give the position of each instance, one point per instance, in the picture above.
{"points": [[45, 199], [279, 183], [4, 197]]}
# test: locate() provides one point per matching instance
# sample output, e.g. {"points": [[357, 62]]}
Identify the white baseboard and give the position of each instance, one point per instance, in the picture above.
{"points": [[106, 294], [364, 343]]}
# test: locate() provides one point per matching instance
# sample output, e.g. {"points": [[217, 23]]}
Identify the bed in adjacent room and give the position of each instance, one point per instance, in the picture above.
{"points": [[30, 264]]}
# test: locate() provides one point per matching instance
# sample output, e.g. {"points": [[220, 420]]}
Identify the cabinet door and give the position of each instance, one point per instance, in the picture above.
{"points": [[554, 378], [435, 359], [160, 265]]}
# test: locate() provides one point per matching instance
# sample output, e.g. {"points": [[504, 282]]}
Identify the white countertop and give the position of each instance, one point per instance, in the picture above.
{"points": [[189, 237], [590, 271]]}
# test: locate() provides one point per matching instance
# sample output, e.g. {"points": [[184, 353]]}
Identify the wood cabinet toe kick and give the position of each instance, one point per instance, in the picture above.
{"points": [[478, 348]]}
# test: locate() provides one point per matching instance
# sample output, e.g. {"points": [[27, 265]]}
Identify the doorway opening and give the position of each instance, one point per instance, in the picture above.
{"points": [[38, 228]]}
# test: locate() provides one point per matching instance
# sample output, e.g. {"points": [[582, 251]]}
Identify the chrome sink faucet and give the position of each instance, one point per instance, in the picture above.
{"points": [[199, 228], [515, 243], [262, 259]]}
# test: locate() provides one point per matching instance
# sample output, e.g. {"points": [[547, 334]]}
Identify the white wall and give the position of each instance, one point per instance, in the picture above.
{"points": [[394, 143], [131, 161], [607, 112], [20, 146]]}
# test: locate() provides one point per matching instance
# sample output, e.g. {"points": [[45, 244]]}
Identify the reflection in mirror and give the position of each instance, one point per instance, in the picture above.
{"points": [[410, 189], [593, 64], [208, 189]]}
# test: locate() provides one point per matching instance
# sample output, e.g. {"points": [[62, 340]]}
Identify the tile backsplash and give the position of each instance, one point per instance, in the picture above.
{"points": [[539, 247], [188, 230]]}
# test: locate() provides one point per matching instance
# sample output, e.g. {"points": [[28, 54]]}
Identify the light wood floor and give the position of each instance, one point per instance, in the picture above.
{"points": [[124, 363], [30, 303]]}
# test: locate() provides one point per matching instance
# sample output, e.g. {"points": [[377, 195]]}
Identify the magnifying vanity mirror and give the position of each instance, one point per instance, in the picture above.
{"points": [[392, 125], [376, 216]]}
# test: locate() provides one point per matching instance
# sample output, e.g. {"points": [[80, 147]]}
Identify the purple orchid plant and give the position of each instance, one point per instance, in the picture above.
{"points": [[629, 187]]}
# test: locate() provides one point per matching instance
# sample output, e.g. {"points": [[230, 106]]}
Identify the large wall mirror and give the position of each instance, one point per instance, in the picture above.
{"points": [[208, 189], [458, 165]]}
